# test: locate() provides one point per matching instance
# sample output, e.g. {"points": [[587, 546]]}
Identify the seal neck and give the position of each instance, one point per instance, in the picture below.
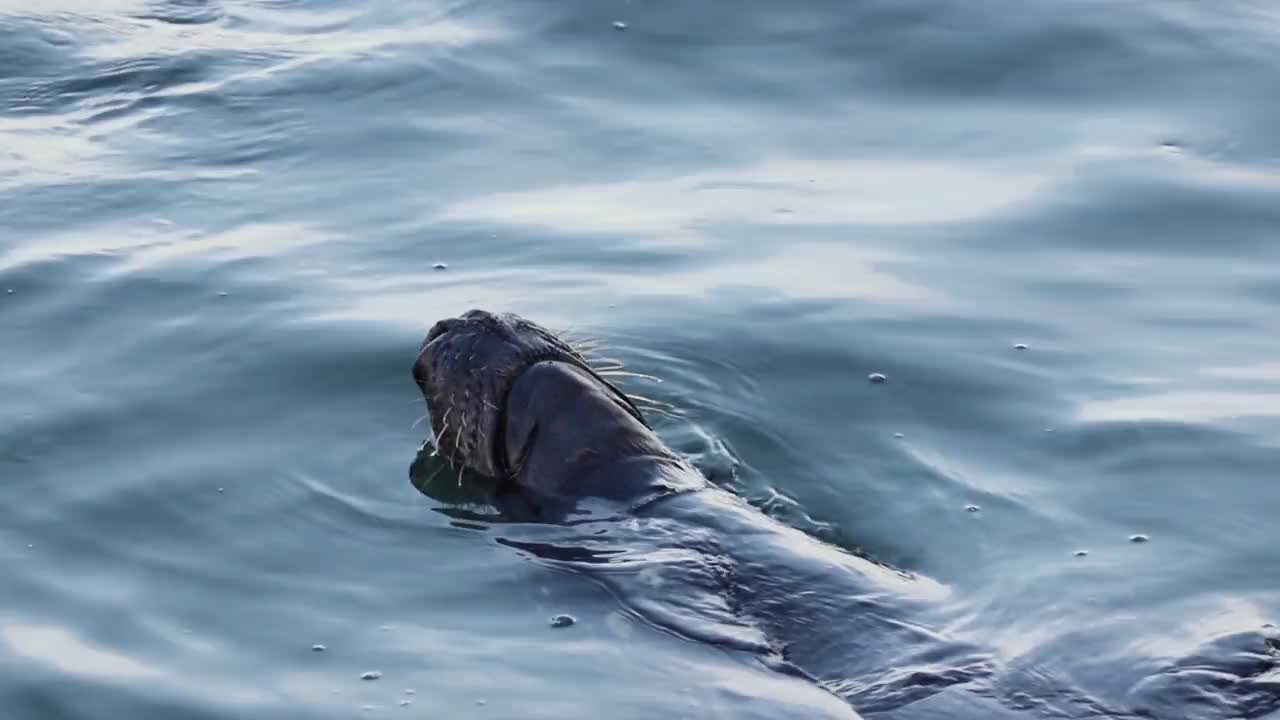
{"points": [[566, 435]]}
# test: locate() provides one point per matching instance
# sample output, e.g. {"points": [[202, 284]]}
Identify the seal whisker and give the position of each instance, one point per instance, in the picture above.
{"points": [[443, 427], [444, 423], [650, 401], [647, 402], [628, 373], [662, 411], [569, 337], [433, 476]]}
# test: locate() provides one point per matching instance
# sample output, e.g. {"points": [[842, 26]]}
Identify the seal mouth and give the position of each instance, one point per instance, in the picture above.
{"points": [[466, 369]]}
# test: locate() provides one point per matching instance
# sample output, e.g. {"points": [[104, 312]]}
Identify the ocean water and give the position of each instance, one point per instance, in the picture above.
{"points": [[219, 230]]}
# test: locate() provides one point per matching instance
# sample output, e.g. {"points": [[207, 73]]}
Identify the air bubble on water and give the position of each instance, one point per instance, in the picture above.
{"points": [[878, 378], [371, 675], [441, 266], [318, 648], [1138, 538], [562, 621], [972, 508], [619, 25]]}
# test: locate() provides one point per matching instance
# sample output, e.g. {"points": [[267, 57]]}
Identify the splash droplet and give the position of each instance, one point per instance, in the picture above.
{"points": [[619, 25]]}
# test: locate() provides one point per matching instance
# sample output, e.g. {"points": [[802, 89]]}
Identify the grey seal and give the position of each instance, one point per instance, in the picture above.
{"points": [[512, 402]]}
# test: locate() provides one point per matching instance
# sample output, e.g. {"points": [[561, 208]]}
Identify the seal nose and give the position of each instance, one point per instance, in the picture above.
{"points": [[441, 328]]}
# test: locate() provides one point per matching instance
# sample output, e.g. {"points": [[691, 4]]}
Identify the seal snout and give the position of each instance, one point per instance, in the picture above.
{"points": [[480, 317], [465, 369], [440, 328]]}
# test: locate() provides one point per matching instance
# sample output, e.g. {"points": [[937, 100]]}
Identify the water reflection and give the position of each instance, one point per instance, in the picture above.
{"points": [[67, 652], [1192, 406], [851, 192]]}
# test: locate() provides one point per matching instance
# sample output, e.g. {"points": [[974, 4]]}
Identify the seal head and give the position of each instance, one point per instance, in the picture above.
{"points": [[466, 370]]}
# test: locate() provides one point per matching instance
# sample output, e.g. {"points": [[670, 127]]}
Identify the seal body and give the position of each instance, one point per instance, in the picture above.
{"points": [[511, 401]]}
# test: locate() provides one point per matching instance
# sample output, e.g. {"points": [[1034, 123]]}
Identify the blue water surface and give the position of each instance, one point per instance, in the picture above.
{"points": [[219, 226]]}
